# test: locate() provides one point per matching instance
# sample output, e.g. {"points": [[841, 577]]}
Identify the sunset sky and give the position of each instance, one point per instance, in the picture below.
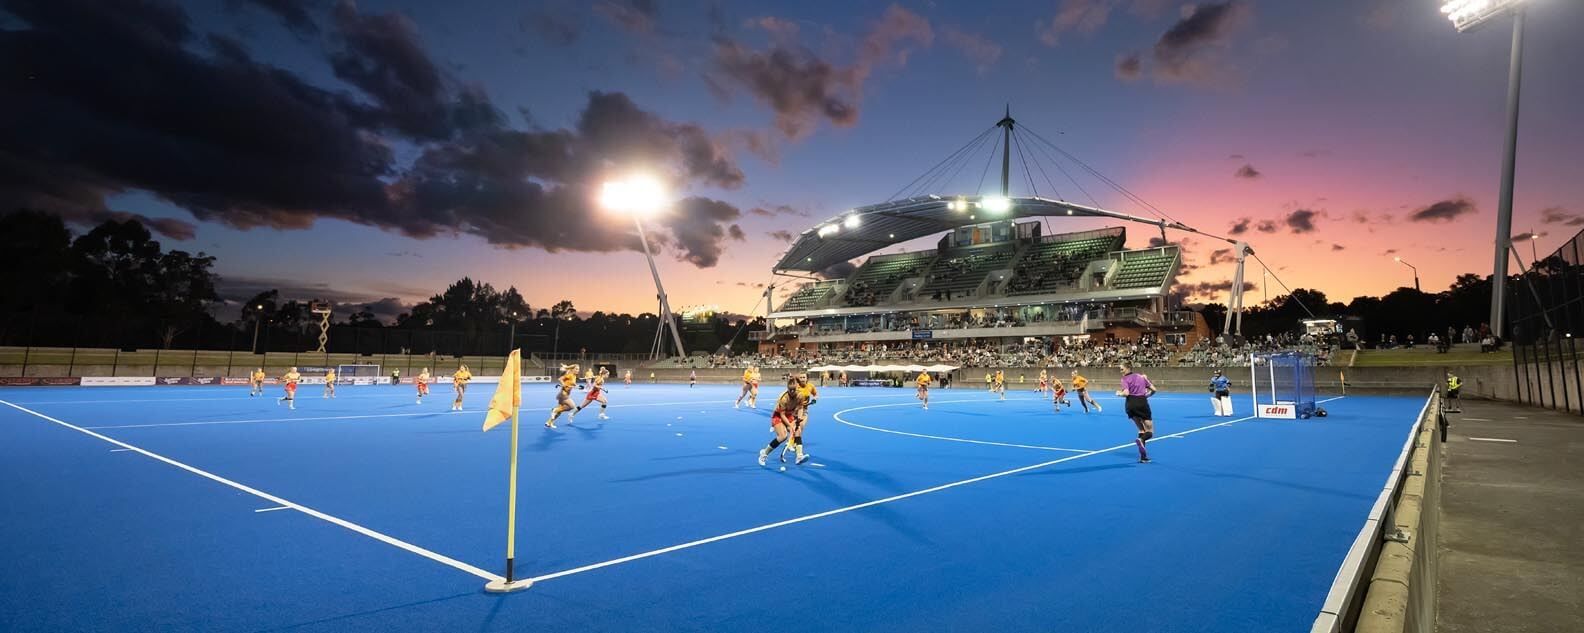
{"points": [[379, 150]]}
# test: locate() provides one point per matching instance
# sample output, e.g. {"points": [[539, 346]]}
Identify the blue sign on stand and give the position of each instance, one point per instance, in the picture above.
{"points": [[923, 334]]}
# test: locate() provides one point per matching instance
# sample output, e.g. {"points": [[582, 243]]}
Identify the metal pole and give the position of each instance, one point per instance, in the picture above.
{"points": [[1509, 163], [255, 331], [665, 304], [1006, 150]]}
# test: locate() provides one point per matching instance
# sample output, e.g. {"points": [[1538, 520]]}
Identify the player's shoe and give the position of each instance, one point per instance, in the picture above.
{"points": [[802, 456], [926, 406], [764, 453], [550, 424], [1097, 407], [1144, 460], [602, 416]]}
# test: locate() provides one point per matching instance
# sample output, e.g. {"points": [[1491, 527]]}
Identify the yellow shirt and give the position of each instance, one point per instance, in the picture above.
{"points": [[807, 393], [291, 378], [1079, 382], [258, 376], [461, 377], [924, 380], [568, 381], [748, 375], [329, 377]]}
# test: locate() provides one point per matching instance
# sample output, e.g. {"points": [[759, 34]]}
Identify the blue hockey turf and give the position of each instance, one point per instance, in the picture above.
{"points": [[200, 508]]}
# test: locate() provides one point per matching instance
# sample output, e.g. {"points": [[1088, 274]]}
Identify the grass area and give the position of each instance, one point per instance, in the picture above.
{"points": [[1427, 356], [183, 362]]}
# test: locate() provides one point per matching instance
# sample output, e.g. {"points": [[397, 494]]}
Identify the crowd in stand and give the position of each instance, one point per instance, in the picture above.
{"points": [[1217, 352], [1442, 343]]}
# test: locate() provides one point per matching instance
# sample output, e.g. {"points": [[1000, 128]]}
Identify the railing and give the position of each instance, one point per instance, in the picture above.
{"points": [[1387, 583]]}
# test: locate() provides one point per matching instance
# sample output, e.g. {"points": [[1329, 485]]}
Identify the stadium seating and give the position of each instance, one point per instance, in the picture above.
{"points": [[873, 282], [1144, 270], [959, 271], [1056, 264], [810, 295]]}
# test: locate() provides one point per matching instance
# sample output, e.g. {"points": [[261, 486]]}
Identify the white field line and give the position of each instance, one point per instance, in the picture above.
{"points": [[1493, 439], [860, 506], [838, 417], [389, 540]]}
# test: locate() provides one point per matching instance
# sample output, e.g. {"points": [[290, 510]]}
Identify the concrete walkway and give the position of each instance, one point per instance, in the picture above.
{"points": [[1512, 521]]}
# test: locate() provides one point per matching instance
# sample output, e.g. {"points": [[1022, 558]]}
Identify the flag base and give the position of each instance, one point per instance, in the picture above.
{"points": [[499, 585]]}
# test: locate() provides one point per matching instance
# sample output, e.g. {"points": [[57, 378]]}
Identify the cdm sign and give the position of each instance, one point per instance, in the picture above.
{"points": [[1281, 410]]}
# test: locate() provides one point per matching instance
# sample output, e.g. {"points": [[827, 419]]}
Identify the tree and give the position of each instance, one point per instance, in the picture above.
{"points": [[563, 309], [38, 253], [183, 290]]}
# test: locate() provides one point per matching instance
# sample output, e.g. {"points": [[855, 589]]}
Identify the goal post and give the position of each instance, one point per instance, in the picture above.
{"points": [[1282, 385], [360, 374]]}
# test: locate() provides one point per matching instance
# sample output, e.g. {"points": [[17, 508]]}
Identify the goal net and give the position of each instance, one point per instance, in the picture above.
{"points": [[1283, 384], [357, 374]]}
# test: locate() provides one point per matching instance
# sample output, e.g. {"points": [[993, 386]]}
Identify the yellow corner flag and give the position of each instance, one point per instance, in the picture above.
{"points": [[508, 394]]}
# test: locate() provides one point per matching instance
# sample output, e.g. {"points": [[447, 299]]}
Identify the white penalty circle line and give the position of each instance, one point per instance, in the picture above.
{"points": [[838, 417], [384, 538], [860, 506]]}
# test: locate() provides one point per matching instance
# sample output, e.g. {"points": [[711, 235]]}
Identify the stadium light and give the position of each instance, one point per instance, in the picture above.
{"points": [[852, 221], [995, 204], [1467, 15], [641, 195], [829, 229], [1415, 272]]}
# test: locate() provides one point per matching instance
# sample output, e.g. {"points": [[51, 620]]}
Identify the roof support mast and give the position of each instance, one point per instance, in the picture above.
{"points": [[1006, 124]]}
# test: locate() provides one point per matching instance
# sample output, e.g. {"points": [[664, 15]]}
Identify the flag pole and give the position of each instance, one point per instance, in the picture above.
{"points": [[510, 583]]}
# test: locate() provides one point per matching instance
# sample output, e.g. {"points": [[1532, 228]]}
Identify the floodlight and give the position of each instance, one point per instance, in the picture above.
{"points": [[637, 194], [828, 229], [995, 204], [1467, 15], [852, 222]]}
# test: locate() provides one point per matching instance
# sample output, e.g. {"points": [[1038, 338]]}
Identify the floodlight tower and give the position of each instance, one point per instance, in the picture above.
{"points": [[1467, 15], [639, 196]]}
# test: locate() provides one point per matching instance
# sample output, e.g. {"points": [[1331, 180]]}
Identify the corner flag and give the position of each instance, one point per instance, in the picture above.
{"points": [[508, 394]]}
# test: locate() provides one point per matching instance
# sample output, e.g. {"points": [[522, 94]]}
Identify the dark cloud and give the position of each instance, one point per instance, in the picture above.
{"points": [[801, 87], [839, 270], [1240, 227], [1389, 251], [1192, 50], [1301, 221], [1444, 210], [1246, 171], [1129, 67], [1221, 256], [784, 236], [1235, 157], [1265, 226], [1157, 241], [1337, 247], [780, 209], [637, 16], [293, 13], [1559, 215], [123, 100], [1314, 153], [1211, 289], [1526, 236]]}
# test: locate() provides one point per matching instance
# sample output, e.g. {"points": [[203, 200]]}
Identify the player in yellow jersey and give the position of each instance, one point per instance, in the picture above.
{"points": [[783, 419], [923, 381], [807, 396], [596, 394], [290, 379], [1000, 384], [422, 381], [459, 383], [989, 382], [588, 378], [564, 404], [750, 389], [1081, 387], [257, 380], [1044, 381], [330, 379], [627, 378]]}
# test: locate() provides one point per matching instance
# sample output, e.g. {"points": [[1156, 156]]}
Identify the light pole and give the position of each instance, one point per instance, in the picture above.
{"points": [[639, 196], [1415, 272], [1467, 15], [1534, 255], [258, 314], [511, 339]]}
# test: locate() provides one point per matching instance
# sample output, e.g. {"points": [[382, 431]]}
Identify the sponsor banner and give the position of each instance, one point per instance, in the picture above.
{"points": [[1285, 411], [235, 381], [39, 381], [923, 334], [362, 381], [531, 379], [170, 381], [203, 380], [871, 382], [118, 381]]}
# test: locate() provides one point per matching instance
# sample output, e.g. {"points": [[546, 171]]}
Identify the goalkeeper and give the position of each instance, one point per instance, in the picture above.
{"points": [[1221, 394]]}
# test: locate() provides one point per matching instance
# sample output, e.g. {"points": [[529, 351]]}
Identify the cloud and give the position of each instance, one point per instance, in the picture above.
{"points": [[1444, 210], [637, 16], [982, 51], [1389, 251], [1085, 16], [802, 88], [293, 13], [125, 101], [1301, 221], [1221, 256], [1129, 67], [1265, 226], [1527, 235], [1234, 157], [784, 236], [1337, 247], [1246, 171], [1559, 215], [778, 210], [1193, 50], [1211, 289], [1240, 227], [1314, 153], [782, 29]]}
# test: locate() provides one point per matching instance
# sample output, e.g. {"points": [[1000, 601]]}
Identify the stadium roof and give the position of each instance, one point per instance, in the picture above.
{"points": [[868, 229]]}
